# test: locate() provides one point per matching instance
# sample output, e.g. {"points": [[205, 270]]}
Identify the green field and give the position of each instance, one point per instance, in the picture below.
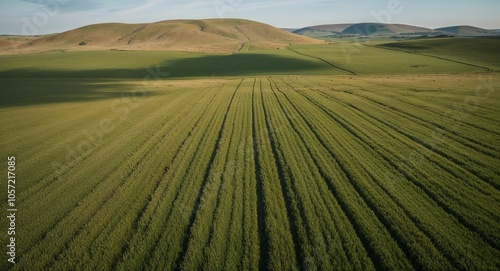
{"points": [[482, 52], [316, 157]]}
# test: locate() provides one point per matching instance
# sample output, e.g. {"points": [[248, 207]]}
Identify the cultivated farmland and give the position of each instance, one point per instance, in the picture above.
{"points": [[277, 172], [239, 152]]}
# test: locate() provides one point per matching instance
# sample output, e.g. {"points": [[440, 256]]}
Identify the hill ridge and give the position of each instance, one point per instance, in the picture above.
{"points": [[327, 31], [362, 29], [207, 35], [467, 30]]}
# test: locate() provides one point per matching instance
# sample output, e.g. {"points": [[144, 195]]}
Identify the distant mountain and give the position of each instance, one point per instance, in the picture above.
{"points": [[212, 35], [326, 31], [363, 29], [378, 29], [467, 30]]}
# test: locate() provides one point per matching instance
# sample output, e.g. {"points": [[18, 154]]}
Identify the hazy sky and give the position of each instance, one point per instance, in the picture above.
{"points": [[31, 17]]}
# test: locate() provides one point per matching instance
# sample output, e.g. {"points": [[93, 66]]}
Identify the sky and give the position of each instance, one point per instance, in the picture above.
{"points": [[35, 17]]}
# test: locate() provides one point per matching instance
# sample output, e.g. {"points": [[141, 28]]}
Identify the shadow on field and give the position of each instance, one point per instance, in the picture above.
{"points": [[37, 91], [42, 86], [241, 65], [201, 66]]}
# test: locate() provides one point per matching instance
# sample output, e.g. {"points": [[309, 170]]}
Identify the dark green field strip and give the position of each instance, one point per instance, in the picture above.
{"points": [[241, 172], [310, 236], [106, 183], [244, 244], [293, 220], [485, 144], [186, 210], [422, 252], [58, 151], [411, 210], [466, 110], [161, 229], [170, 247], [222, 200], [476, 96], [253, 232], [353, 241], [219, 147], [47, 142], [459, 97], [215, 191], [361, 124], [133, 256], [105, 190], [204, 216], [121, 230], [481, 139], [109, 143], [483, 217], [469, 109], [440, 142], [305, 235], [358, 260], [478, 163], [451, 166], [280, 250], [43, 122], [461, 123]]}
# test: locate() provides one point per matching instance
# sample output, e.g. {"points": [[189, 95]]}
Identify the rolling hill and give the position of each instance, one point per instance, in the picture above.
{"points": [[363, 29], [469, 31], [12, 40], [212, 35], [479, 51], [378, 29], [322, 31]]}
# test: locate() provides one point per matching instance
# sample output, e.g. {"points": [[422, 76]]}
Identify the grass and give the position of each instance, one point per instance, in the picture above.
{"points": [[261, 160], [362, 59], [135, 64], [477, 51]]}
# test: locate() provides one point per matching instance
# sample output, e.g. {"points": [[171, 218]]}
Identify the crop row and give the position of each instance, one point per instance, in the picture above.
{"points": [[277, 173]]}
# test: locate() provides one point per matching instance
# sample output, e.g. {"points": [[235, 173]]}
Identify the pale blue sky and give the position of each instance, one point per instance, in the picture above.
{"points": [[49, 16]]}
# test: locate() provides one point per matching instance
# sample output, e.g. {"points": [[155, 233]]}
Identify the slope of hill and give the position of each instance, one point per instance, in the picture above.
{"points": [[12, 40], [288, 29], [364, 29], [482, 52], [322, 31], [378, 29], [466, 30], [212, 35]]}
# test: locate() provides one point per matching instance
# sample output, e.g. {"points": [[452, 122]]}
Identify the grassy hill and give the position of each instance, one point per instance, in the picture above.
{"points": [[322, 31], [364, 29], [469, 31], [213, 35], [482, 52], [378, 29]]}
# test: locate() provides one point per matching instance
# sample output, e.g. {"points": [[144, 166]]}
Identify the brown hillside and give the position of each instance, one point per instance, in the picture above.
{"points": [[212, 35]]}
